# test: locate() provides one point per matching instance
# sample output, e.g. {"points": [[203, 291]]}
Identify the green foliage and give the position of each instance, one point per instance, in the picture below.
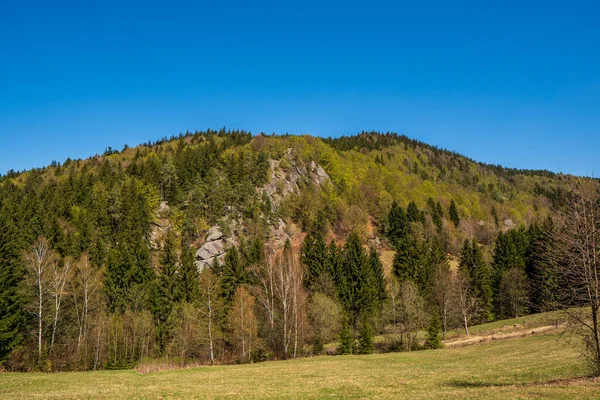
{"points": [[12, 315], [453, 213], [397, 224], [378, 278], [111, 206], [365, 339], [232, 274], [187, 290], [346, 339], [476, 270], [314, 255], [434, 333]]}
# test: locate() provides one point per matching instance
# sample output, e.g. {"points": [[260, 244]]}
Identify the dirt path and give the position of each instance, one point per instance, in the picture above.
{"points": [[475, 339]]}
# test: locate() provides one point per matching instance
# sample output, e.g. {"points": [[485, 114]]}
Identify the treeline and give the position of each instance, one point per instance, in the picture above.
{"points": [[368, 141], [97, 256], [519, 280]]}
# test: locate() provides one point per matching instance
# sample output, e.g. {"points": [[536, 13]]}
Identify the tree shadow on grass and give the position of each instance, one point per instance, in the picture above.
{"points": [[479, 384], [555, 382]]}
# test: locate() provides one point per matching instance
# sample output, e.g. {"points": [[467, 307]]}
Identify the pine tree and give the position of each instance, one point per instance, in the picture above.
{"points": [[359, 295], [365, 340], [474, 267], [543, 281], [164, 290], [397, 224], [412, 213], [12, 317], [378, 277], [336, 264], [188, 277], [313, 254], [510, 251], [346, 340], [233, 274], [434, 331], [453, 213], [407, 261]]}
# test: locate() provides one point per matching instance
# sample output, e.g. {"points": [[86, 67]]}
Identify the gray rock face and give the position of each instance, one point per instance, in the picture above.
{"points": [[214, 233], [215, 246], [286, 175]]}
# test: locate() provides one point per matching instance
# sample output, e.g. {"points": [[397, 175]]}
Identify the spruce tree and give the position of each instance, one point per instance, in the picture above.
{"points": [[164, 290], [346, 339], [232, 275], [397, 224], [188, 277], [453, 213], [407, 261], [434, 331], [412, 213], [475, 268], [359, 296], [12, 316], [365, 339], [378, 277]]}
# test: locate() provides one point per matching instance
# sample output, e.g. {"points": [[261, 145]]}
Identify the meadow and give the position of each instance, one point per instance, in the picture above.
{"points": [[530, 367]]}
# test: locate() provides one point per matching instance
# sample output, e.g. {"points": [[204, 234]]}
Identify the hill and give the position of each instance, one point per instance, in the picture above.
{"points": [[170, 249]]}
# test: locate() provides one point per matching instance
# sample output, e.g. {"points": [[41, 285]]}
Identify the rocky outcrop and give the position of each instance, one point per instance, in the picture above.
{"points": [[214, 246], [288, 173]]}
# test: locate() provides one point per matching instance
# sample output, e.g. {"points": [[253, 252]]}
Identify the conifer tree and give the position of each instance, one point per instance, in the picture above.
{"points": [[313, 254], [397, 224], [453, 213], [336, 265], [359, 294], [412, 213], [407, 261], [232, 275], [378, 277], [346, 339], [434, 340], [12, 317], [187, 277], [164, 290], [476, 270], [365, 340]]}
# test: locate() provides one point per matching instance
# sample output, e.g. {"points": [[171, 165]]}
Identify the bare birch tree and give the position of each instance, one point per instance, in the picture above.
{"points": [[575, 258], [59, 276], [211, 306], [467, 305], [442, 294], [85, 287], [242, 323], [39, 261]]}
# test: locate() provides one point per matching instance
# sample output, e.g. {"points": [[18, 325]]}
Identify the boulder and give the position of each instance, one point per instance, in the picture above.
{"points": [[214, 233]]}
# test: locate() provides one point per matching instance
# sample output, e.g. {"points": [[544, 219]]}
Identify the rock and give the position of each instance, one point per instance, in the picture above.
{"points": [[214, 233], [508, 223], [214, 248], [164, 207], [321, 172], [301, 169], [203, 254]]}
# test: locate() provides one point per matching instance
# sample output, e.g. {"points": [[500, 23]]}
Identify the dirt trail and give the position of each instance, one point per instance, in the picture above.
{"points": [[475, 339]]}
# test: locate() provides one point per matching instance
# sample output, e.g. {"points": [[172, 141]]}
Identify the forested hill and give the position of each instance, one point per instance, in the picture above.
{"points": [[206, 176], [140, 224]]}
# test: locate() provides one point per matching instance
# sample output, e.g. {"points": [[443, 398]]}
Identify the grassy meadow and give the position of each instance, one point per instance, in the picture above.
{"points": [[530, 367]]}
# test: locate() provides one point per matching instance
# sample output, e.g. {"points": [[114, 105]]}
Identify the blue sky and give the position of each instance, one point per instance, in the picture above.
{"points": [[509, 82]]}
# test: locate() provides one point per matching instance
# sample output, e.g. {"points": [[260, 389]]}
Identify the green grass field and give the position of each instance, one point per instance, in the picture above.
{"points": [[530, 367]]}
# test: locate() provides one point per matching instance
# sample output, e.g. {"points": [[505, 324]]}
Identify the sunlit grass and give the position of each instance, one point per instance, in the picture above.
{"points": [[535, 366]]}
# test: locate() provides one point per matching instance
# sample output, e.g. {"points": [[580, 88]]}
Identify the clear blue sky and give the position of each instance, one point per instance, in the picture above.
{"points": [[509, 82]]}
